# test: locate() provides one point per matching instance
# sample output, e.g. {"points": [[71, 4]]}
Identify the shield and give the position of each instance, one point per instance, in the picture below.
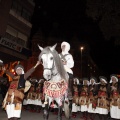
{"points": [[27, 86]]}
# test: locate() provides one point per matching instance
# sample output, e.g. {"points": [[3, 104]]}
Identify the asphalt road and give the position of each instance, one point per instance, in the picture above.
{"points": [[27, 115]]}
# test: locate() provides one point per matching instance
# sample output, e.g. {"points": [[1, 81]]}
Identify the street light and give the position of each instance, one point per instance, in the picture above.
{"points": [[81, 49]]}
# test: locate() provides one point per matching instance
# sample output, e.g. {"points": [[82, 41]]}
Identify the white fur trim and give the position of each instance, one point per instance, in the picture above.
{"points": [[103, 80]]}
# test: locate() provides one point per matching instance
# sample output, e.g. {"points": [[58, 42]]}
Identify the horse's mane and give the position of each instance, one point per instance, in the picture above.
{"points": [[58, 62]]}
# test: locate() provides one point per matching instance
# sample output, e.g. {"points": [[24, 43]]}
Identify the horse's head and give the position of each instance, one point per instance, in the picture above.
{"points": [[52, 64], [47, 59]]}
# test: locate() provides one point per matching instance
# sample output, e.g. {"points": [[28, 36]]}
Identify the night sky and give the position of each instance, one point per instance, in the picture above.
{"points": [[66, 18]]}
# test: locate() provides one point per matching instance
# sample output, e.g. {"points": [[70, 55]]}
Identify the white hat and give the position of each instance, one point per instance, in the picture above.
{"points": [[115, 76], [67, 48], [93, 78], [103, 79]]}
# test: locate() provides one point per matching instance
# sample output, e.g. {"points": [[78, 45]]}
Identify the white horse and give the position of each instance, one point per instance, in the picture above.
{"points": [[56, 84]]}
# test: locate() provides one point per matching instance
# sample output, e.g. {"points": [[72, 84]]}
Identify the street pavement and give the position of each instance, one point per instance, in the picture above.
{"points": [[26, 115]]}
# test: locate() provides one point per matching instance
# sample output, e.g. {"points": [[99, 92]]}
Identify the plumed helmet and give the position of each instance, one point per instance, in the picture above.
{"points": [[113, 76], [85, 81], [93, 78], [103, 79], [76, 81]]}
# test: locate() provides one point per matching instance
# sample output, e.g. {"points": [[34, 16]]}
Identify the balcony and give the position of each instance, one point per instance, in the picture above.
{"points": [[13, 13]]}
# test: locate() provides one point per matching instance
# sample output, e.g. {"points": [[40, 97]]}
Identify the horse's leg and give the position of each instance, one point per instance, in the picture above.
{"points": [[46, 111], [70, 107], [70, 96], [59, 117]]}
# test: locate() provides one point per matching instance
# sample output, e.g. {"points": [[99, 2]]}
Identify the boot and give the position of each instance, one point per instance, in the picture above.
{"points": [[70, 97], [70, 87]]}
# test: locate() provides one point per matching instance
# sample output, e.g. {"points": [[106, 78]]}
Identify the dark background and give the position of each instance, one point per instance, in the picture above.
{"points": [[66, 18]]}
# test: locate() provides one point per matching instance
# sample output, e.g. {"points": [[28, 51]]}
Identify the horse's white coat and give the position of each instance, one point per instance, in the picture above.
{"points": [[50, 72]]}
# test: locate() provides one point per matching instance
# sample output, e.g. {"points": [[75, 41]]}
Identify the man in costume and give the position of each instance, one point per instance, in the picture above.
{"points": [[102, 100], [68, 63], [114, 97], [14, 97], [75, 106], [92, 97], [83, 99]]}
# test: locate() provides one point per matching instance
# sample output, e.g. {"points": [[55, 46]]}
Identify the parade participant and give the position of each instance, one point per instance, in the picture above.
{"points": [[4, 85], [27, 87], [75, 107], [1, 68], [14, 97], [83, 100], [114, 97], [102, 101], [68, 63], [38, 102], [1, 82], [31, 98], [92, 102]]}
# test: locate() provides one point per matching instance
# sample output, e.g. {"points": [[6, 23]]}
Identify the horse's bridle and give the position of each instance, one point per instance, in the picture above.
{"points": [[53, 66]]}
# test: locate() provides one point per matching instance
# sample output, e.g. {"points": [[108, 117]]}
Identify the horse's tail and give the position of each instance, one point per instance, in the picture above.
{"points": [[66, 110]]}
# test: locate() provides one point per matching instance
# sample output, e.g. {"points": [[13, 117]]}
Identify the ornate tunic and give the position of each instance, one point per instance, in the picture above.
{"points": [[75, 95], [83, 100], [93, 95], [102, 101], [114, 100], [114, 95], [15, 92]]}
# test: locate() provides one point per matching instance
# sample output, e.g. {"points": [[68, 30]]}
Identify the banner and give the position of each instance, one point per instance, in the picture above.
{"points": [[8, 43]]}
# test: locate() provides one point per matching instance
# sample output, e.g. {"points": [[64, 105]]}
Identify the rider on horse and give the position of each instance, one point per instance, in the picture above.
{"points": [[68, 63]]}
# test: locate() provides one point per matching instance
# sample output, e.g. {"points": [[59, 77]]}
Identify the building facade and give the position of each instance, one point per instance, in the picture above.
{"points": [[15, 29]]}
